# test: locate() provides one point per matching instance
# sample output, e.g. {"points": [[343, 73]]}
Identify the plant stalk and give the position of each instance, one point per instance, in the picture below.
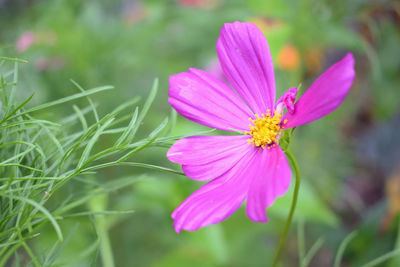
{"points": [[282, 241]]}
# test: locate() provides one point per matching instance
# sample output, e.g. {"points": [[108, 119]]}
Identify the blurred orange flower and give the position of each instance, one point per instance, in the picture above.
{"points": [[266, 24], [288, 57], [313, 60], [392, 190]]}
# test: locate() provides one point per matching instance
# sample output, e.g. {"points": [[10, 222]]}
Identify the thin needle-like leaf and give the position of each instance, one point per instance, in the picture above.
{"points": [[42, 209], [68, 98]]}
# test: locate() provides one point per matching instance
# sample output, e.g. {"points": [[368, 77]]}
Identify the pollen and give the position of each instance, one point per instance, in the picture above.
{"points": [[264, 130]]}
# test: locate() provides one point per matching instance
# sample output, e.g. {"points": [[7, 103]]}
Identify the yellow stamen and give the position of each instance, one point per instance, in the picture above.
{"points": [[265, 129]]}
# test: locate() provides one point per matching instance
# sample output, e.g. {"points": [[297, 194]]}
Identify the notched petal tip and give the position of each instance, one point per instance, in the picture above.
{"points": [[270, 182], [257, 218], [237, 25], [349, 56], [218, 199], [178, 229], [351, 61], [346, 63], [171, 155]]}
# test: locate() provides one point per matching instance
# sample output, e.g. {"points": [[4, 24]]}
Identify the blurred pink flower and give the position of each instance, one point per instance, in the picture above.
{"points": [[28, 38], [134, 11], [25, 41], [250, 166], [54, 63], [207, 4]]}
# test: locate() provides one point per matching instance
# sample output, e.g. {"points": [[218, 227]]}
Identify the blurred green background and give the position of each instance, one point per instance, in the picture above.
{"points": [[350, 160]]}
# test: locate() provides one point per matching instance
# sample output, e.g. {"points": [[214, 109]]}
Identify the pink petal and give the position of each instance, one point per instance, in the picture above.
{"points": [[287, 101], [271, 181], [204, 99], [218, 199], [325, 95], [206, 157], [246, 61]]}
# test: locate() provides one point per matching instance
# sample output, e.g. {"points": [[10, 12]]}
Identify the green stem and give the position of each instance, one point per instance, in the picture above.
{"points": [[105, 244], [99, 203], [282, 241]]}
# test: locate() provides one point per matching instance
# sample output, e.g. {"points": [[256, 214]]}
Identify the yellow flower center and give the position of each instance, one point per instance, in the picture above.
{"points": [[265, 129]]}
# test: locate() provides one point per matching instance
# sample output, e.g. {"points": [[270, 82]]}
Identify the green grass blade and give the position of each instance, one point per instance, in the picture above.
{"points": [[342, 247], [311, 253], [382, 258]]}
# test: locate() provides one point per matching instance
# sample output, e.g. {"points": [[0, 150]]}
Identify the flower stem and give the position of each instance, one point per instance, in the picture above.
{"points": [[282, 241]]}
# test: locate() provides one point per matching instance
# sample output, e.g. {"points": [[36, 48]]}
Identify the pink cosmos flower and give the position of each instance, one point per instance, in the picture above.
{"points": [[251, 166]]}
